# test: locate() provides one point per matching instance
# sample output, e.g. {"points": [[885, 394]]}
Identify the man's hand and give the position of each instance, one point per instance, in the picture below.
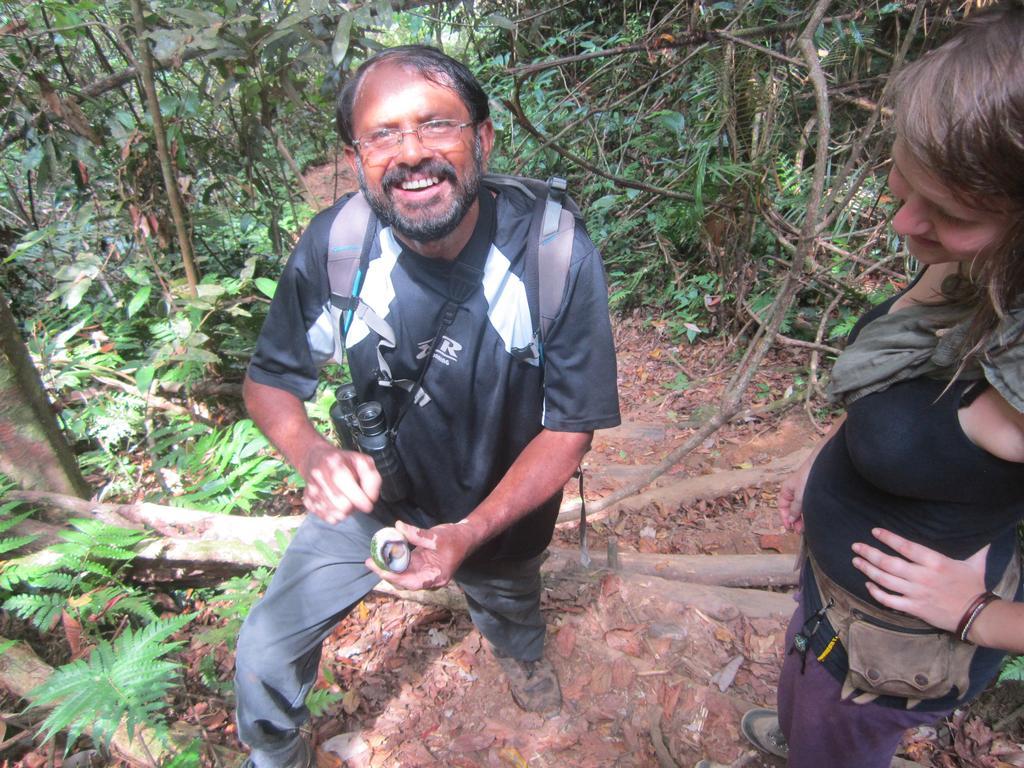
{"points": [[338, 482], [439, 553]]}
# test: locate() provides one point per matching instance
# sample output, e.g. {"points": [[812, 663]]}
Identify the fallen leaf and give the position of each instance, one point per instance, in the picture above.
{"points": [[513, 757], [626, 641], [565, 641], [623, 675], [346, 746], [724, 677], [350, 701], [471, 742], [73, 632], [601, 680]]}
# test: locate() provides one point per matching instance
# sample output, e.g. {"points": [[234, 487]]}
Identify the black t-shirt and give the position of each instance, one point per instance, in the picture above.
{"points": [[480, 405], [901, 461]]}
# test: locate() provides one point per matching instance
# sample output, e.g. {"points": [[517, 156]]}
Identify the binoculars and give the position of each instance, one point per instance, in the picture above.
{"points": [[363, 427]]}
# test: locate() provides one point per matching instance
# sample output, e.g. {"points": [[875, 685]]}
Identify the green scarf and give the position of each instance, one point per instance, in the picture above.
{"points": [[924, 340]]}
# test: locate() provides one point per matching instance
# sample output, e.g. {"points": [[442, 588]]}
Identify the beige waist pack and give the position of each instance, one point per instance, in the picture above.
{"points": [[893, 654]]}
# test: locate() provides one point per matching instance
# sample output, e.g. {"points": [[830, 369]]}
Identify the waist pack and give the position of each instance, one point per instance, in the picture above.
{"points": [[893, 654]]}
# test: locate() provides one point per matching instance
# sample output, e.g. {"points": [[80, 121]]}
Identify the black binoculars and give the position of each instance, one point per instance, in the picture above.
{"points": [[363, 427]]}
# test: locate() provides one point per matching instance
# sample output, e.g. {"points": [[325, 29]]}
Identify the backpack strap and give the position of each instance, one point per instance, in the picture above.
{"points": [[348, 251], [548, 251], [554, 250]]}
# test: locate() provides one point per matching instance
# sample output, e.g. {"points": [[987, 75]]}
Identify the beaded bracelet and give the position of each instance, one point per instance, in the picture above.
{"points": [[973, 611]]}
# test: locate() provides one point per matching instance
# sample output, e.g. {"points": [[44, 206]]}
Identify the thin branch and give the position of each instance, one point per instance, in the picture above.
{"points": [[516, 109], [683, 41], [759, 48], [693, 38], [166, 163]]}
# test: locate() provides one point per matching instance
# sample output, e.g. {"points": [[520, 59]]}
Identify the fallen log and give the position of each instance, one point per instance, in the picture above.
{"points": [[202, 561], [179, 521], [683, 492], [696, 578], [169, 521], [762, 570], [649, 596]]}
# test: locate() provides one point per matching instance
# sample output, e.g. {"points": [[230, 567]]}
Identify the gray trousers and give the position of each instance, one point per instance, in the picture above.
{"points": [[319, 580]]}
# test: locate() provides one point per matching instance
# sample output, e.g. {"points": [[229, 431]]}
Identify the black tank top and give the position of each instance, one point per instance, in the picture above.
{"points": [[902, 461]]}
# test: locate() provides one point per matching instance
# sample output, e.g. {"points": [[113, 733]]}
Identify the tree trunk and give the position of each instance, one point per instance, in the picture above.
{"points": [[162, 151], [33, 450]]}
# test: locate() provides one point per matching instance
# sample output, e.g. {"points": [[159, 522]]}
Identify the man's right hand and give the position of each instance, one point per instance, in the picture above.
{"points": [[338, 482]]}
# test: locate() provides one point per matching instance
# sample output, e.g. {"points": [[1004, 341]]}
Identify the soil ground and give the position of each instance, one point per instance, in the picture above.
{"points": [[637, 669]]}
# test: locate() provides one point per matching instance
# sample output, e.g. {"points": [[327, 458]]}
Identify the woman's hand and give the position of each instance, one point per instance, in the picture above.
{"points": [[791, 493], [922, 582], [791, 498]]}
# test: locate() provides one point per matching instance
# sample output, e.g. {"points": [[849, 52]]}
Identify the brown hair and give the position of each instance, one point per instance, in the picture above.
{"points": [[960, 113]]}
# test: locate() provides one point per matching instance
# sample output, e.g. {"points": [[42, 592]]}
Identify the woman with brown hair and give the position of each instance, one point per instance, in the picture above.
{"points": [[928, 462]]}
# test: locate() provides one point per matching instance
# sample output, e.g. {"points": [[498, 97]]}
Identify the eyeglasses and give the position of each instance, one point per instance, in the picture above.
{"points": [[434, 134]]}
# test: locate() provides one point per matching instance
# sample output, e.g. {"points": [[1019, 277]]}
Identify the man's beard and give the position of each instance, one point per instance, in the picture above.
{"points": [[419, 228]]}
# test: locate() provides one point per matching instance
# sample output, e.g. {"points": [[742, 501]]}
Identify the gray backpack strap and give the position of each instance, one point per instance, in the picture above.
{"points": [[348, 249], [548, 250], [558, 229]]}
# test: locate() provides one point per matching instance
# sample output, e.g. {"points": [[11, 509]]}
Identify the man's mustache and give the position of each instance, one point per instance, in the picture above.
{"points": [[434, 167]]}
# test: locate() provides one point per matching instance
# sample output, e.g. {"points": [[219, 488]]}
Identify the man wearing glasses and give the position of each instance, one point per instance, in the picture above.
{"points": [[487, 434]]}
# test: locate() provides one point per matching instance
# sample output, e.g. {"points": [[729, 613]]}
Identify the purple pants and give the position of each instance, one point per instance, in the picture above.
{"points": [[824, 731]]}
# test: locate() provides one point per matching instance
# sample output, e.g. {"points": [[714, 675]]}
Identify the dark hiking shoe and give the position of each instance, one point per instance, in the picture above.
{"points": [[761, 727], [534, 684], [305, 756]]}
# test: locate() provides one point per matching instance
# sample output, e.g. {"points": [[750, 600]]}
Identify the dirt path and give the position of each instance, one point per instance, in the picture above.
{"points": [[636, 664]]}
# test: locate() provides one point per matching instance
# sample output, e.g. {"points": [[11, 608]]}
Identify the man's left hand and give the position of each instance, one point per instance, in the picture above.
{"points": [[439, 553]]}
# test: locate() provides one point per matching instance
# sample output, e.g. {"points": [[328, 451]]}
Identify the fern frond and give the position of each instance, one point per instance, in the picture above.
{"points": [[8, 522], [123, 681], [1013, 669], [17, 542], [43, 610], [55, 580]]}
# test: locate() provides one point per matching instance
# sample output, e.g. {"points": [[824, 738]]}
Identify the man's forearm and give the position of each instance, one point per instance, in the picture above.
{"points": [[540, 471], [281, 416]]}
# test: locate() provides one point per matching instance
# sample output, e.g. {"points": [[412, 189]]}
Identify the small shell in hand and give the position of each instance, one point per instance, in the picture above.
{"points": [[389, 550]]}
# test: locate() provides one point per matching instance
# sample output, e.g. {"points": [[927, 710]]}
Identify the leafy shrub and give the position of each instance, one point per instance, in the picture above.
{"points": [[124, 680]]}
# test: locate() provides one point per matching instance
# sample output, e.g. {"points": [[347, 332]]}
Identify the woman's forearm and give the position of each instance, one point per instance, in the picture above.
{"points": [[1000, 625]]}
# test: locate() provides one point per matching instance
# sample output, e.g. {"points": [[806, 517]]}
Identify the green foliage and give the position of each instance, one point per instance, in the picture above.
{"points": [[125, 680], [232, 602], [1013, 669], [81, 576], [10, 518], [320, 700], [189, 757]]}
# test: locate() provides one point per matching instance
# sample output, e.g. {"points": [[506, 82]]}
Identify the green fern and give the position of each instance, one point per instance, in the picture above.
{"points": [[121, 681], [1013, 669], [42, 609], [9, 520], [84, 580], [232, 603]]}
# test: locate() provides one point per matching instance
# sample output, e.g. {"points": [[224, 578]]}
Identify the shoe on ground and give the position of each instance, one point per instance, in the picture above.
{"points": [[533, 684], [761, 727], [305, 756]]}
